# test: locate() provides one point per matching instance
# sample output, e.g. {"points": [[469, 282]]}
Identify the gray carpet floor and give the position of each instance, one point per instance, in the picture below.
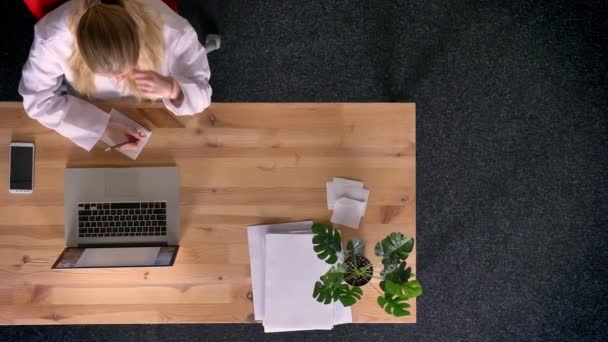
{"points": [[512, 187]]}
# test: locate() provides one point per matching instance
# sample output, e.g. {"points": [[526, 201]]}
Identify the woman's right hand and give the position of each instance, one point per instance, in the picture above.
{"points": [[120, 133]]}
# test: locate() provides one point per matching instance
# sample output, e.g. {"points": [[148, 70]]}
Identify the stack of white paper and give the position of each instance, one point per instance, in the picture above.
{"points": [[284, 269], [348, 199]]}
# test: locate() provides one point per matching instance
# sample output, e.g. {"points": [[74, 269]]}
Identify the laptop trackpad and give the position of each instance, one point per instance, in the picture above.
{"points": [[121, 184]]}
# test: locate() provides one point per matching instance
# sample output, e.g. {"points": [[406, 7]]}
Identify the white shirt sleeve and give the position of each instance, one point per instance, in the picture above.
{"points": [[188, 65], [41, 87]]}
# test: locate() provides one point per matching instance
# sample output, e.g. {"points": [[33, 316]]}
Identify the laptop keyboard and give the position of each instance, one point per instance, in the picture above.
{"points": [[122, 219]]}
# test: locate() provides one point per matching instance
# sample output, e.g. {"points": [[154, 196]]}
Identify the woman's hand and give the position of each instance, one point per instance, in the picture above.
{"points": [[120, 133], [153, 85]]}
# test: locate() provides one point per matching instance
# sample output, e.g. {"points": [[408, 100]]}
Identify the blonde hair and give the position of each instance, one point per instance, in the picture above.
{"points": [[113, 37]]}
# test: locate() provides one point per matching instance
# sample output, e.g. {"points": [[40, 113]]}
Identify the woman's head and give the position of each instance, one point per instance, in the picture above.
{"points": [[111, 38], [107, 37]]}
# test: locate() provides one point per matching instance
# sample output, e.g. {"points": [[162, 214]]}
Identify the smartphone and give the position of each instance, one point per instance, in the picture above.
{"points": [[21, 179]]}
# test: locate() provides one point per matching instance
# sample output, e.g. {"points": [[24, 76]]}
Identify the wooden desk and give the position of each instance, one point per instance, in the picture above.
{"points": [[241, 164]]}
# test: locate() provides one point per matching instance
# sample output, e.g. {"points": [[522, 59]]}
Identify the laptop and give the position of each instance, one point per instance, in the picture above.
{"points": [[120, 217]]}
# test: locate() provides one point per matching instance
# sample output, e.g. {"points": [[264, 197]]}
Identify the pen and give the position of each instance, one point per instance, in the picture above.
{"points": [[119, 145]]}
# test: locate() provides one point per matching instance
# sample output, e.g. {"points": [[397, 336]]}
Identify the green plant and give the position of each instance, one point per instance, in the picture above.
{"points": [[343, 281]]}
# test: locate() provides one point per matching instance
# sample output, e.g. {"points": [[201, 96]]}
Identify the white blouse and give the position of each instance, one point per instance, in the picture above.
{"points": [[46, 79]]}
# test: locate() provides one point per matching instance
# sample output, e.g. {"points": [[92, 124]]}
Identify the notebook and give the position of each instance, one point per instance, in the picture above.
{"points": [[120, 118]]}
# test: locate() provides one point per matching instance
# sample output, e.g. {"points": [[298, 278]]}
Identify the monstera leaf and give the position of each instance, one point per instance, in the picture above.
{"points": [[399, 274], [354, 247], [394, 305], [394, 248], [324, 290], [331, 288], [332, 279], [347, 295], [399, 284], [327, 242], [407, 290], [387, 270]]}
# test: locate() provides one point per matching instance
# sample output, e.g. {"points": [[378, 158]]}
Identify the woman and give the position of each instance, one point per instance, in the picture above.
{"points": [[108, 50]]}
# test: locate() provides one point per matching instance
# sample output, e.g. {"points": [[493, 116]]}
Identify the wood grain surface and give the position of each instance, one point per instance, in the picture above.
{"points": [[241, 164]]}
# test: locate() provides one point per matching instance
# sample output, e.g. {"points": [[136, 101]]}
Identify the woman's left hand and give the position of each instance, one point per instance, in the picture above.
{"points": [[151, 84]]}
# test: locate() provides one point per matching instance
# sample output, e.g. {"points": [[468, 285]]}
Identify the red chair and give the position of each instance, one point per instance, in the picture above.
{"points": [[41, 7]]}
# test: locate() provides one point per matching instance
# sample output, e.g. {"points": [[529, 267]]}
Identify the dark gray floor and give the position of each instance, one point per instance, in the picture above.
{"points": [[512, 107]]}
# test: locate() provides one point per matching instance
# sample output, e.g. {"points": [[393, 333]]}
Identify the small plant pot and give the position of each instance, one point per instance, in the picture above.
{"points": [[359, 271]]}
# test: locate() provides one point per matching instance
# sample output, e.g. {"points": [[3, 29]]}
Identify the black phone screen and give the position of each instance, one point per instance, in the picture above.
{"points": [[22, 168]]}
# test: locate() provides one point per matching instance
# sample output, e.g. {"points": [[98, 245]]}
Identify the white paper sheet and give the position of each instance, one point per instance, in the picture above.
{"points": [[342, 315], [257, 241], [291, 271], [348, 212]]}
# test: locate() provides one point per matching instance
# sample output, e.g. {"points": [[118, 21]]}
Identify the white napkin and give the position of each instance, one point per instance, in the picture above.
{"points": [[341, 187], [350, 182], [292, 268], [348, 212], [348, 199]]}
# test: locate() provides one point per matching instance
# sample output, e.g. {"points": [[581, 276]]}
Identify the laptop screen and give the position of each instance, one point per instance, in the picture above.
{"points": [[116, 256]]}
